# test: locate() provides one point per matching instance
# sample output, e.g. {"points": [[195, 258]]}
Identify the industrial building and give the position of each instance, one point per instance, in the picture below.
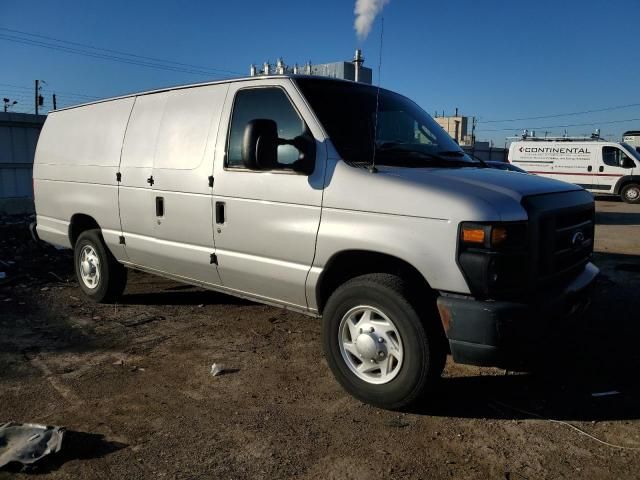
{"points": [[457, 126], [19, 134], [348, 70]]}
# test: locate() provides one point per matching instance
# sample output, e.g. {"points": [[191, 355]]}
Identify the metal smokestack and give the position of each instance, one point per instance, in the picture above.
{"points": [[280, 66], [358, 60], [252, 70], [266, 67]]}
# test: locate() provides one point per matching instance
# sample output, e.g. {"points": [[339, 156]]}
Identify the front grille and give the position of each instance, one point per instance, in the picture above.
{"points": [[561, 227], [566, 241]]}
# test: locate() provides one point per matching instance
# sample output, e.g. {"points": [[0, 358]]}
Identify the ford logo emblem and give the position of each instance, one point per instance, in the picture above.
{"points": [[577, 239]]}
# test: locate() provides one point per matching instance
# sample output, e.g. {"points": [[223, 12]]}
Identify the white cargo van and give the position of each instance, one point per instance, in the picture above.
{"points": [[605, 168], [265, 188]]}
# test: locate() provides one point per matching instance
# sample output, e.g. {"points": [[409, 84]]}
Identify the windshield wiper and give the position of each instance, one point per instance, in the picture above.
{"points": [[453, 153], [460, 153], [395, 148]]}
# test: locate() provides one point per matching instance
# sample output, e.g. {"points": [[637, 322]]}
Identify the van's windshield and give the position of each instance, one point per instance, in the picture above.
{"points": [[632, 151], [406, 135]]}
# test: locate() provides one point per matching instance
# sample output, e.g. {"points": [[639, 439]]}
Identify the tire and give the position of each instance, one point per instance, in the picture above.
{"points": [[100, 276], [419, 335], [630, 193]]}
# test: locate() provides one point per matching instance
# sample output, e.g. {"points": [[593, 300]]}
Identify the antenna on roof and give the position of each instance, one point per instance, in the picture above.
{"points": [[373, 168]]}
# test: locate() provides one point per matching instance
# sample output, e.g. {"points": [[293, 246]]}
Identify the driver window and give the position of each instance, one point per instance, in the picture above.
{"points": [[269, 103], [614, 157]]}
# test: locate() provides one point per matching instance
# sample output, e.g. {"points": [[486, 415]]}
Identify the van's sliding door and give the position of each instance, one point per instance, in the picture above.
{"points": [[183, 163]]}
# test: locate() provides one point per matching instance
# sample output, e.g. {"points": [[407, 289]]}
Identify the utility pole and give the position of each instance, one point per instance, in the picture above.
{"points": [[36, 95], [473, 129], [55, 104]]}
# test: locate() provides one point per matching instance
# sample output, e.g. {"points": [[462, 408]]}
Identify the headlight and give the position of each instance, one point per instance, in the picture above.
{"points": [[493, 257], [493, 236]]}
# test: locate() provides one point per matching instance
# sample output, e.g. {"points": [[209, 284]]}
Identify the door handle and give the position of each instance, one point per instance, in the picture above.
{"points": [[601, 168], [150, 180], [159, 206], [220, 213], [589, 168]]}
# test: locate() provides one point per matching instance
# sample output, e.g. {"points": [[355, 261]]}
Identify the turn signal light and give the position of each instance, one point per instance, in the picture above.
{"points": [[473, 235]]}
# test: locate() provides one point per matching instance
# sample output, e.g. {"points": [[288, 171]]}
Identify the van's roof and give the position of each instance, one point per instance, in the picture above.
{"points": [[566, 143], [202, 84]]}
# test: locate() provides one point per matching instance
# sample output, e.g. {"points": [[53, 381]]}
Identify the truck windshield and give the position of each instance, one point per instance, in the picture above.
{"points": [[406, 135]]}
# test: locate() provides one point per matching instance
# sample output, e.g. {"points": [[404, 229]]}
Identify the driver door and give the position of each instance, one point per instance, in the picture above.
{"points": [[614, 163], [266, 221]]}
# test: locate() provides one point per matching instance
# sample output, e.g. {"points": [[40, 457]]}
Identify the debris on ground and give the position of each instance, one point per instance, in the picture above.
{"points": [[217, 369], [27, 443], [605, 394]]}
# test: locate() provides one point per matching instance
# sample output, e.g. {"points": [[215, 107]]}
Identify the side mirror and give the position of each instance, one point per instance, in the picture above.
{"points": [[627, 163], [306, 146], [260, 145]]}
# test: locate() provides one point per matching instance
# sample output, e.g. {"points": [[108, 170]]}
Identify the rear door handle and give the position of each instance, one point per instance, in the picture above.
{"points": [[150, 180], [589, 168], [220, 213], [159, 206]]}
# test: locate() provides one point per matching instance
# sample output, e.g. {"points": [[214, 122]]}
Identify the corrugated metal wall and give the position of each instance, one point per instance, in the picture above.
{"points": [[18, 137]]}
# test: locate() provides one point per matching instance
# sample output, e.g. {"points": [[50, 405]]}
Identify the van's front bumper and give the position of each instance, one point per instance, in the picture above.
{"points": [[490, 333]]}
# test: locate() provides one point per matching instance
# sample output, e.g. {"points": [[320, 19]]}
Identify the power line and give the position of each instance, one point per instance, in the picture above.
{"points": [[560, 126], [556, 115], [5, 86], [86, 53], [201, 71], [119, 52]]}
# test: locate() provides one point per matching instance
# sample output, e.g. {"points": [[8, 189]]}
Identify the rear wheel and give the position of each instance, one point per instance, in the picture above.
{"points": [[380, 346], [631, 193], [101, 277]]}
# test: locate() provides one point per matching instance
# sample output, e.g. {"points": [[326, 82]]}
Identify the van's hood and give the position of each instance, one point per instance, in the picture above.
{"points": [[513, 184], [481, 194]]}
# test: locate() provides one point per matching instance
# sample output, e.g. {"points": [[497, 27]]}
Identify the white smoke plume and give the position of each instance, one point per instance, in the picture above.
{"points": [[366, 12]]}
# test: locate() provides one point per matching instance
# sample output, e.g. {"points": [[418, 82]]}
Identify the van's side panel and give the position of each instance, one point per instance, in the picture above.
{"points": [[136, 167], [183, 163], [75, 170], [571, 162]]}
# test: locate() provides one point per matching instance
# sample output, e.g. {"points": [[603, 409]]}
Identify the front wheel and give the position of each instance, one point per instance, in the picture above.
{"points": [[101, 277], [380, 347], [631, 193]]}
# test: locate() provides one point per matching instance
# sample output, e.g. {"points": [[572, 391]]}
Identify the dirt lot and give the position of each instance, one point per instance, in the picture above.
{"points": [[131, 383]]}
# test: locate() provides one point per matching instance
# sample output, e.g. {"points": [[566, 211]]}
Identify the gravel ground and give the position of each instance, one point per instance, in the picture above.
{"points": [[131, 383]]}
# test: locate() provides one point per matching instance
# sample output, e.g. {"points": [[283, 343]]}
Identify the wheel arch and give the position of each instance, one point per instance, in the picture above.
{"points": [[79, 223], [347, 264], [625, 180]]}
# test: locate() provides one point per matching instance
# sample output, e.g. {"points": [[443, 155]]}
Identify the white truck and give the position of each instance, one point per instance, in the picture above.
{"points": [[281, 190], [604, 168]]}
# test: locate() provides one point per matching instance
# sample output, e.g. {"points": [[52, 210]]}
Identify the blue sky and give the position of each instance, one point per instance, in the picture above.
{"points": [[492, 59]]}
